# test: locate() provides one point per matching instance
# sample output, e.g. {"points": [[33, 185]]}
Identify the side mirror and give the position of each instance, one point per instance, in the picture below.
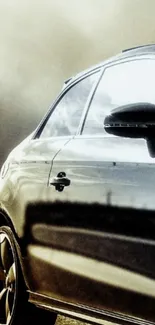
{"points": [[133, 121]]}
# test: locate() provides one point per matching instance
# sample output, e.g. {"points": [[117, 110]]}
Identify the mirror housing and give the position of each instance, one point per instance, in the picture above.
{"points": [[133, 121]]}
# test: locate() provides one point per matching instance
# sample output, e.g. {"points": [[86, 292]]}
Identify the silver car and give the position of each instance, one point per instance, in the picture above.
{"points": [[77, 202]]}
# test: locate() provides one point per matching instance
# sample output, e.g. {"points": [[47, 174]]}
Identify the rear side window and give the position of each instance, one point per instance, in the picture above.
{"points": [[121, 84], [65, 118]]}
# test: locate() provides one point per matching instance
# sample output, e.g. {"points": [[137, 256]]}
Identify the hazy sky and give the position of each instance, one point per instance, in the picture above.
{"points": [[43, 42]]}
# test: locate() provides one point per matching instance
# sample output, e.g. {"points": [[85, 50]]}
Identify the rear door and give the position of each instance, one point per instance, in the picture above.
{"points": [[31, 173], [27, 178], [106, 267]]}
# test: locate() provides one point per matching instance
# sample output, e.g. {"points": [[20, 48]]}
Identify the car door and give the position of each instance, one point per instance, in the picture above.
{"points": [[104, 263], [31, 172]]}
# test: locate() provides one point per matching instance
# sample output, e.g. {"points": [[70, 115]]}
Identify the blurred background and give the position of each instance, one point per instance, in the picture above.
{"points": [[43, 42]]}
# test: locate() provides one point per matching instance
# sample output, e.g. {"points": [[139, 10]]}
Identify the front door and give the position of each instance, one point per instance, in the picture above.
{"points": [[106, 258]]}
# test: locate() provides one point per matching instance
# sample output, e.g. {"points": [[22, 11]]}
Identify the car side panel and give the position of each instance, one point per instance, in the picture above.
{"points": [[96, 256], [92, 256], [26, 180]]}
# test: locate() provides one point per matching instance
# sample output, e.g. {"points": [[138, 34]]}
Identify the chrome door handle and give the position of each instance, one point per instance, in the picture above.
{"points": [[60, 181]]}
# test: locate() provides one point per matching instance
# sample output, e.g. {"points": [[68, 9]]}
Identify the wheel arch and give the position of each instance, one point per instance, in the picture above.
{"points": [[5, 221]]}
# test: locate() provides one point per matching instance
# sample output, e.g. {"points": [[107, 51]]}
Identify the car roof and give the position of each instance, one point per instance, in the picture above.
{"points": [[134, 51]]}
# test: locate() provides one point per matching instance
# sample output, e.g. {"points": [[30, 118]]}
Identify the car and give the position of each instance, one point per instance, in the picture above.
{"points": [[77, 202]]}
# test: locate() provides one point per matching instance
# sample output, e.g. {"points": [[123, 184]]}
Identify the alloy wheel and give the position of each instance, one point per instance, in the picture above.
{"points": [[8, 277]]}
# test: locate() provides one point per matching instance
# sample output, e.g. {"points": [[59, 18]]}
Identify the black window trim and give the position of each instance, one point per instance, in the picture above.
{"points": [[106, 66], [88, 102]]}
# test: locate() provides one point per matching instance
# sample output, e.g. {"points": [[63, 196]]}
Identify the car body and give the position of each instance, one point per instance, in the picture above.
{"points": [[80, 202]]}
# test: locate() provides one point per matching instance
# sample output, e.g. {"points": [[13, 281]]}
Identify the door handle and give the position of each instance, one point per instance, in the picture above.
{"points": [[60, 181]]}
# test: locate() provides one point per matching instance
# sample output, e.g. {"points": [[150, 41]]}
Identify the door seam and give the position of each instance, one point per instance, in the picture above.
{"points": [[48, 179]]}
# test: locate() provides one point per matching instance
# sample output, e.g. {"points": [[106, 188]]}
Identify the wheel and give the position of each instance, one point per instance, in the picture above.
{"points": [[14, 306], [8, 277]]}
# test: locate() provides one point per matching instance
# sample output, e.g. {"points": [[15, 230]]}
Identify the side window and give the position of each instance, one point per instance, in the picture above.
{"points": [[65, 118], [121, 84]]}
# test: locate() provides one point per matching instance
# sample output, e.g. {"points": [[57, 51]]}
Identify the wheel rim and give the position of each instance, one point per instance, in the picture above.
{"points": [[8, 276]]}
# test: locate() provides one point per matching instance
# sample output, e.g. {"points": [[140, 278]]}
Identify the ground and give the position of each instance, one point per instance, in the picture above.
{"points": [[61, 320]]}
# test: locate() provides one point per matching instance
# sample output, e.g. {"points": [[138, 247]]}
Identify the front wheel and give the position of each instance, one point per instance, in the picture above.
{"points": [[14, 306]]}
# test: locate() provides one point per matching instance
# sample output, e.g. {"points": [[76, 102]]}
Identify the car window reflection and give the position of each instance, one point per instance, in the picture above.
{"points": [[121, 84], [66, 116]]}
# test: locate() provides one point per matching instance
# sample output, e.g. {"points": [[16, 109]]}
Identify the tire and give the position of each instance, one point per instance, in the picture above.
{"points": [[14, 306]]}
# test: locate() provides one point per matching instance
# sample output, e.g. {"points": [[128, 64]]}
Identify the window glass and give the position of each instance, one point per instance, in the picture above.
{"points": [[121, 84], [66, 116]]}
